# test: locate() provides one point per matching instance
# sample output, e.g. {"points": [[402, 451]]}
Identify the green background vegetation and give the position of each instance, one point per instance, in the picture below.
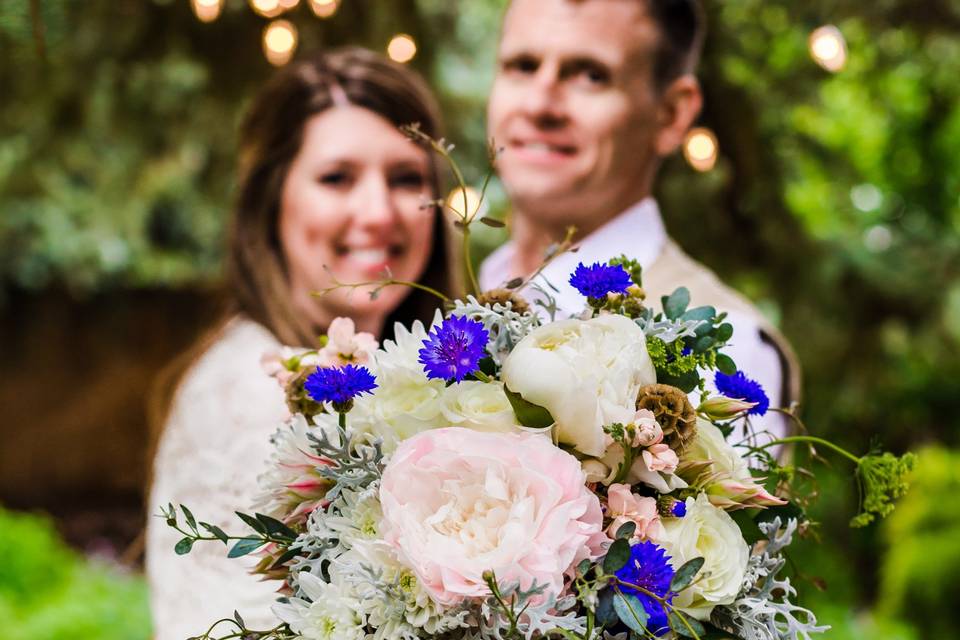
{"points": [[835, 205]]}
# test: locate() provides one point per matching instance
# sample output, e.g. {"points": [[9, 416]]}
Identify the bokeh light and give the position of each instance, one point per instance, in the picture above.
{"points": [[279, 42], [828, 48], [324, 8], [701, 149], [267, 8], [402, 48], [206, 10], [454, 202]]}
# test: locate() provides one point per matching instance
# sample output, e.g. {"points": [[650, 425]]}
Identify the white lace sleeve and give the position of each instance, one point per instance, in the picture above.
{"points": [[214, 447]]}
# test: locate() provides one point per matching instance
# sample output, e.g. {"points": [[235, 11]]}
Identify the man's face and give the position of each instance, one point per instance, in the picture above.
{"points": [[574, 108]]}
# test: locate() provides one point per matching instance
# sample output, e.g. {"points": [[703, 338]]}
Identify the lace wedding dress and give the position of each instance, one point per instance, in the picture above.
{"points": [[214, 446]]}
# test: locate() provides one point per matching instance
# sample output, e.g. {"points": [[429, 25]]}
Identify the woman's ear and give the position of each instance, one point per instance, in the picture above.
{"points": [[679, 107]]}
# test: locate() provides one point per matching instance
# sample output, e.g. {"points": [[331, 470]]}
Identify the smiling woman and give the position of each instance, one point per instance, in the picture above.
{"points": [[330, 192]]}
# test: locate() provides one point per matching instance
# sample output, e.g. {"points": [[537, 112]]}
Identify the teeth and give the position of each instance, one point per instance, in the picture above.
{"points": [[370, 256], [539, 146]]}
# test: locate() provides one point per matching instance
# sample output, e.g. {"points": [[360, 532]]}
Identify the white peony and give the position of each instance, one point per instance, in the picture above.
{"points": [[329, 614], [709, 532], [586, 373], [481, 406]]}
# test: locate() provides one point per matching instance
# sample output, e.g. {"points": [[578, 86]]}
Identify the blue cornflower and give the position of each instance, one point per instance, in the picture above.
{"points": [[649, 567], [740, 387], [339, 385], [679, 509], [597, 280], [454, 349]]}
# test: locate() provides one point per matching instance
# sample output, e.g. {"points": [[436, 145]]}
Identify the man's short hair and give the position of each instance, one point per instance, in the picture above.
{"points": [[681, 25]]}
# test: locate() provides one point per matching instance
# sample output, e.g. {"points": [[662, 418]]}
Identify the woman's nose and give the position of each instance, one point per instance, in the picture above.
{"points": [[373, 204]]}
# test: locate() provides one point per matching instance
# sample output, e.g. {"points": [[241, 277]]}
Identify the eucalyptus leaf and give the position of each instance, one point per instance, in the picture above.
{"points": [[252, 522], [702, 344], [630, 612], [606, 614], [676, 303], [676, 620], [216, 531], [724, 332], [617, 556], [626, 530], [529, 414], [726, 364], [685, 574], [245, 546], [276, 528], [191, 521], [184, 546]]}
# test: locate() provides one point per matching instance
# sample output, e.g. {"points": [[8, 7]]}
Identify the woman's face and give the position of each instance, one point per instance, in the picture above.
{"points": [[351, 209]]}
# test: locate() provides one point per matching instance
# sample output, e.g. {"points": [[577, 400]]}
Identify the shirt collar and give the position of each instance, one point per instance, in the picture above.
{"points": [[638, 233]]}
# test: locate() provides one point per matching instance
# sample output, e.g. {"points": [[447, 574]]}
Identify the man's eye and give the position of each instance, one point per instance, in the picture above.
{"points": [[522, 64], [593, 75]]}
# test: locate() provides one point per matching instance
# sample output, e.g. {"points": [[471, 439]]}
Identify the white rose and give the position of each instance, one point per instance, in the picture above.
{"points": [[708, 532], [586, 373], [480, 406], [711, 445]]}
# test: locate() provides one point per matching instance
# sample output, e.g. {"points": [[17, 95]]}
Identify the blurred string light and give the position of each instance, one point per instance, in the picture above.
{"points": [[279, 42], [866, 197], [454, 202], [324, 8], [828, 48], [402, 48], [267, 8], [701, 149], [286, 5], [877, 238], [206, 10]]}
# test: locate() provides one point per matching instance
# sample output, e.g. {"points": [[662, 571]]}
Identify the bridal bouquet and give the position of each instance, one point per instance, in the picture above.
{"points": [[506, 474]]}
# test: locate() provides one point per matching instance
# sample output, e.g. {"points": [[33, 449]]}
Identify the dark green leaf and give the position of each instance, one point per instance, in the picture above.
{"points": [[493, 222], [626, 530], [617, 556], [606, 615], [236, 616], [287, 555], [513, 284], [726, 364], [529, 414], [785, 512], [245, 546], [630, 612], [676, 303], [676, 620], [686, 382], [685, 574], [724, 332], [702, 344], [276, 528], [748, 527], [216, 531], [191, 521], [252, 522], [705, 315], [184, 546], [583, 567]]}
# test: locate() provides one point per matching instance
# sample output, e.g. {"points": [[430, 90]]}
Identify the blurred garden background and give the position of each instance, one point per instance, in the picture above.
{"points": [[824, 183]]}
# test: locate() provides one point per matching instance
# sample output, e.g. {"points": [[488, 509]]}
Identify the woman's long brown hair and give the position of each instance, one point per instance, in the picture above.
{"points": [[257, 284]]}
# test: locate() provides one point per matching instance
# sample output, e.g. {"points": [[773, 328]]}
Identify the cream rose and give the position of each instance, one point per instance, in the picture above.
{"points": [[482, 406], [709, 532], [457, 503], [586, 373]]}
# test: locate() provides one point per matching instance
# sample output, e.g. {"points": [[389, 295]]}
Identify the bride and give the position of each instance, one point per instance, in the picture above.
{"points": [[329, 191]]}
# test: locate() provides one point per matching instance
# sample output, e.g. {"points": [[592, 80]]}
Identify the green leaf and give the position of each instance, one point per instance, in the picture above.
{"points": [[184, 546], [724, 332], [493, 222], [626, 530], [686, 382], [685, 574], [606, 614], [289, 554], [748, 526], [245, 546], [785, 512], [216, 531], [236, 616], [702, 344], [676, 621], [676, 303], [705, 315], [252, 522], [191, 521], [529, 414], [726, 364], [631, 612], [584, 566], [617, 556], [513, 284], [276, 528]]}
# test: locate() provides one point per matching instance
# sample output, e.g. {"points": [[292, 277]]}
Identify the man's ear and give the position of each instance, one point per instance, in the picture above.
{"points": [[679, 106]]}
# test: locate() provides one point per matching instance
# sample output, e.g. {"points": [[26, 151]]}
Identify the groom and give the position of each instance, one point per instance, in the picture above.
{"points": [[589, 97]]}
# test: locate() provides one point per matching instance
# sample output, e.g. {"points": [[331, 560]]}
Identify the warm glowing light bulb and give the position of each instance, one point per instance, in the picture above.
{"points": [[206, 10], [267, 8], [701, 149], [828, 48], [279, 42], [402, 48], [286, 5], [455, 201], [324, 8]]}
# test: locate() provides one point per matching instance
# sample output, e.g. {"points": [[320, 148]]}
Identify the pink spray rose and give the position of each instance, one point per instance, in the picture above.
{"points": [[457, 503], [624, 506], [346, 346]]}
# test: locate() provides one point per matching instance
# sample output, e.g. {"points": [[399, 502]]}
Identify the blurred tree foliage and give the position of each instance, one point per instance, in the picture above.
{"points": [[835, 203]]}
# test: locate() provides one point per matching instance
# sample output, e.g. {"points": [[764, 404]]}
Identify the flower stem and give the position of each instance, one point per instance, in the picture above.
{"points": [[811, 440], [343, 420]]}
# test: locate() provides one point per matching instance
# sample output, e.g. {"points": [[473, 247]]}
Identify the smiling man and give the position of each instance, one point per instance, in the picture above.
{"points": [[589, 97]]}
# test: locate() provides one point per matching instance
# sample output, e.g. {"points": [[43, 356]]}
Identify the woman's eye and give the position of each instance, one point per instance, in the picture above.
{"points": [[333, 178], [413, 179]]}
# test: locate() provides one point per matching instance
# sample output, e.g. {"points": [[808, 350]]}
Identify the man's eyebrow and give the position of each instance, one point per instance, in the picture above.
{"points": [[581, 62]]}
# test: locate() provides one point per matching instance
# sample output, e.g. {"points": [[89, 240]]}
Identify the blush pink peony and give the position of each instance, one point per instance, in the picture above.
{"points": [[457, 503]]}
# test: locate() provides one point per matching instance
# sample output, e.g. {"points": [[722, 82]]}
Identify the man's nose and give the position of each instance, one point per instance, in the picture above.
{"points": [[544, 102]]}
